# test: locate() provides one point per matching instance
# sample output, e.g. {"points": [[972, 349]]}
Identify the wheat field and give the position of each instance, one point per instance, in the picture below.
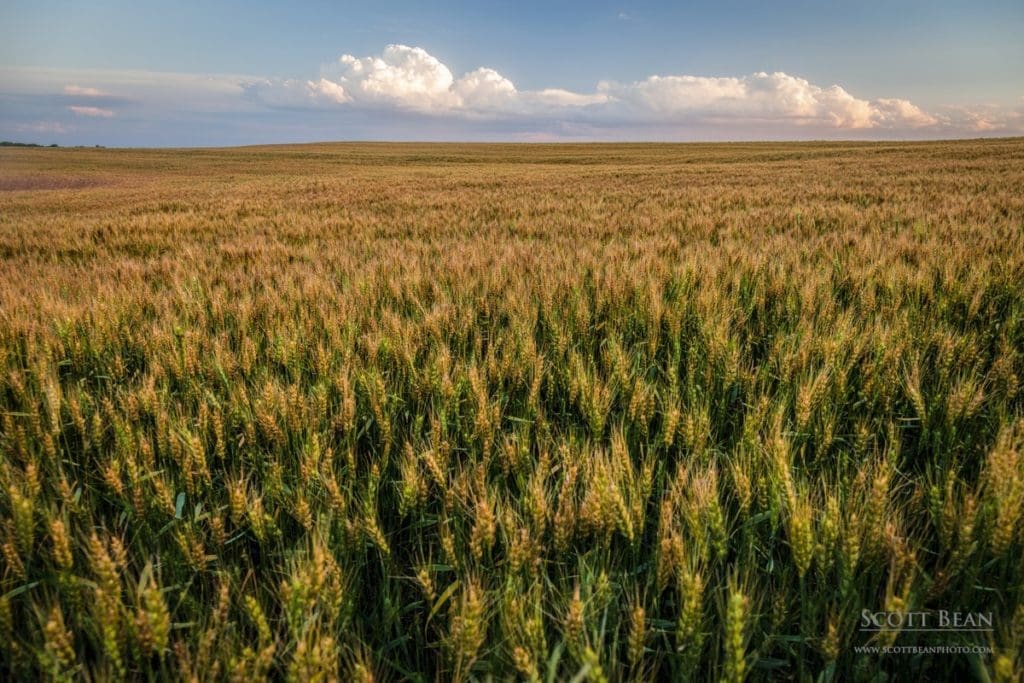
{"points": [[558, 412]]}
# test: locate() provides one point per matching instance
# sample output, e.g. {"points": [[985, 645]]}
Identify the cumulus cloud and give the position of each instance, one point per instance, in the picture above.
{"points": [[95, 112], [401, 75], [894, 111], [485, 89], [410, 78], [328, 90], [761, 97]]}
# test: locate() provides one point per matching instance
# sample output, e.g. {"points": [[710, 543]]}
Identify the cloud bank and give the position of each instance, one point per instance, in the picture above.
{"points": [[405, 92], [411, 79]]}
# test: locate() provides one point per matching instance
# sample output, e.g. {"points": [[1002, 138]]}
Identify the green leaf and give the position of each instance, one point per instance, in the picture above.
{"points": [[442, 599]]}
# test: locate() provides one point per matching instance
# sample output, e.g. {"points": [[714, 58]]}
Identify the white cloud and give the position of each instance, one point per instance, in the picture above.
{"points": [[92, 111], [410, 78], [556, 97], [80, 91], [897, 111], [761, 97], [328, 90], [485, 89], [405, 76]]}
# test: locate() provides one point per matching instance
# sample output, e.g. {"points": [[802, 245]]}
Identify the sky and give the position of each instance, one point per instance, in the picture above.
{"points": [[139, 73]]}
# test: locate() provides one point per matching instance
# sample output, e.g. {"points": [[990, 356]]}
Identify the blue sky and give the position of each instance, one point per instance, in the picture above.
{"points": [[191, 73]]}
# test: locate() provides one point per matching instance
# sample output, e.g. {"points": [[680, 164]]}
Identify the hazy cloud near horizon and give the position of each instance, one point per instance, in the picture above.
{"points": [[404, 92]]}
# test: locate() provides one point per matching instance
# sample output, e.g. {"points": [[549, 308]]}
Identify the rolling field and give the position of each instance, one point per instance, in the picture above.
{"points": [[447, 412]]}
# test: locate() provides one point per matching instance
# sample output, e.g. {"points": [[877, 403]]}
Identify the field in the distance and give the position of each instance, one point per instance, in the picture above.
{"points": [[455, 411]]}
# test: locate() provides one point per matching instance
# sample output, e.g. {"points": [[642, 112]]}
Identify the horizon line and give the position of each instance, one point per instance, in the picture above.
{"points": [[525, 143]]}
